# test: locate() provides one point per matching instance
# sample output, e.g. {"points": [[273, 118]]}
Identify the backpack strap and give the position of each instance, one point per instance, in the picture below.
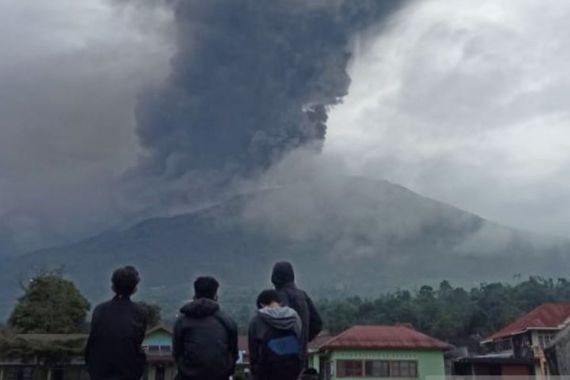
{"points": [[223, 322], [232, 337]]}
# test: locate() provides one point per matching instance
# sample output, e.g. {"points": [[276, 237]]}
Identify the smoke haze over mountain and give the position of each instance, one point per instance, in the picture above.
{"points": [[464, 102], [469, 103], [69, 76], [250, 81]]}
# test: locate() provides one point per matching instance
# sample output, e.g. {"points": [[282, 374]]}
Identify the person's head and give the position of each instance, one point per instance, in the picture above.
{"points": [[283, 274], [206, 287], [310, 374], [125, 281], [268, 297]]}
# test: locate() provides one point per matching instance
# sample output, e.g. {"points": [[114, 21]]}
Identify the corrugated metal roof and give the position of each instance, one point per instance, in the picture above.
{"points": [[385, 337], [546, 316]]}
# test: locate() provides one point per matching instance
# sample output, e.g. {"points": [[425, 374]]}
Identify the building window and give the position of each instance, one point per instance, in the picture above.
{"points": [[545, 339], [377, 368], [157, 350], [153, 349], [19, 373], [349, 368], [403, 368]]}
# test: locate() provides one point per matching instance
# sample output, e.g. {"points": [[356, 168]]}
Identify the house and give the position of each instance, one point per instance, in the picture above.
{"points": [[558, 354], [518, 348], [43, 356], [158, 348], [313, 349], [381, 352], [60, 356]]}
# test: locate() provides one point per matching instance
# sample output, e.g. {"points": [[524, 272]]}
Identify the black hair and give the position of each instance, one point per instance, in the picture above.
{"points": [[206, 287], [282, 274], [125, 280], [267, 297], [310, 374]]}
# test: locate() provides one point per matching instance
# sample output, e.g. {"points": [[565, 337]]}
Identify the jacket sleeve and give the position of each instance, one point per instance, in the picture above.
{"points": [[144, 326], [177, 340], [92, 334], [315, 321], [233, 342], [253, 347]]}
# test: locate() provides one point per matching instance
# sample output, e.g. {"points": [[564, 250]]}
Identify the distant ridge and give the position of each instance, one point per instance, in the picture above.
{"points": [[354, 236]]}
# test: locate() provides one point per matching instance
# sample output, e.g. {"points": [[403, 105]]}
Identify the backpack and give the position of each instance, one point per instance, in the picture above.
{"points": [[280, 351]]}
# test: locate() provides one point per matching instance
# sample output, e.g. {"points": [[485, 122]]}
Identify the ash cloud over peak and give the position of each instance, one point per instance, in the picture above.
{"points": [[250, 81], [220, 89]]}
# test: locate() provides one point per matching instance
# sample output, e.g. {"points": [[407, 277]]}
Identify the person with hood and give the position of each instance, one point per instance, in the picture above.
{"points": [[275, 340], [118, 328], [205, 343], [283, 278]]}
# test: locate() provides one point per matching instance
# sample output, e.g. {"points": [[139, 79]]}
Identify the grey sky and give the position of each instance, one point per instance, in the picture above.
{"points": [[69, 75], [467, 102]]}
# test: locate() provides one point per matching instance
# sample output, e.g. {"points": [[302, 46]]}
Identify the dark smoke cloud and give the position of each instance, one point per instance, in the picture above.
{"points": [[250, 81], [70, 73]]}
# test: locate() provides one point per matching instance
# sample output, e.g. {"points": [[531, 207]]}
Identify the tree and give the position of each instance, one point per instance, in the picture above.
{"points": [[50, 304], [153, 313]]}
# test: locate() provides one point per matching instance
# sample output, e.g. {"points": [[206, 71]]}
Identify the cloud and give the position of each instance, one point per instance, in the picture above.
{"points": [[468, 103], [69, 76], [464, 102]]}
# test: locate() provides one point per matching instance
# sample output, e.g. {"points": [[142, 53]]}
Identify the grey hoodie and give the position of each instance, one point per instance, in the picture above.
{"points": [[268, 318], [282, 318]]}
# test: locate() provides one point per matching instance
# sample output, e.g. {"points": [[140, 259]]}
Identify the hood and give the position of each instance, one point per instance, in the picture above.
{"points": [[283, 274], [200, 308], [281, 318]]}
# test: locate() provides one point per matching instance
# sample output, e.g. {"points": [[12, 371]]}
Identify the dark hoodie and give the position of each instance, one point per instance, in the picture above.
{"points": [[271, 323], [205, 342], [114, 349], [283, 278]]}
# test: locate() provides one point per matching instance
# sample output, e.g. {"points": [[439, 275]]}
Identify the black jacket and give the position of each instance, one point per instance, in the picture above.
{"points": [[270, 323], [205, 344], [114, 349], [283, 278]]}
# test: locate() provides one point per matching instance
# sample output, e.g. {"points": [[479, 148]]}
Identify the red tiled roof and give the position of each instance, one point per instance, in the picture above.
{"points": [[384, 337], [320, 340], [546, 316]]}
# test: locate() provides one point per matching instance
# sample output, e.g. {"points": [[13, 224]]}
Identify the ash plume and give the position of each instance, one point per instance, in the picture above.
{"points": [[250, 81]]}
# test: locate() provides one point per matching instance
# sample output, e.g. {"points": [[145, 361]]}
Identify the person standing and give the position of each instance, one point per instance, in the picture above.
{"points": [[205, 344], [117, 331], [274, 340], [283, 278]]}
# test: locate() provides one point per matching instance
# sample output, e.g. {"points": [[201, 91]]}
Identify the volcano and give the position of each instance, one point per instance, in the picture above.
{"points": [[356, 236]]}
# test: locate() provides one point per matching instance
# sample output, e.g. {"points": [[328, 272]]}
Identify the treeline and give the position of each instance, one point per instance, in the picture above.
{"points": [[454, 314], [53, 304]]}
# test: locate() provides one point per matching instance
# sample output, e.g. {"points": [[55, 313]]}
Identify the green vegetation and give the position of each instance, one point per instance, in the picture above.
{"points": [[454, 314], [45, 349], [357, 237], [153, 313], [51, 304]]}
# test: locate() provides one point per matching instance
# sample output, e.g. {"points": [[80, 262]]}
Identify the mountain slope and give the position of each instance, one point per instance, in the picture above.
{"points": [[351, 236]]}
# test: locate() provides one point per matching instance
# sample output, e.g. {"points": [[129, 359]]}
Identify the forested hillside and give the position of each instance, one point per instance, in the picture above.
{"points": [[455, 314]]}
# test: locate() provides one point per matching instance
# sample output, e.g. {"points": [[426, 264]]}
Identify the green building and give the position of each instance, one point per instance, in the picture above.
{"points": [[380, 352], [158, 347]]}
